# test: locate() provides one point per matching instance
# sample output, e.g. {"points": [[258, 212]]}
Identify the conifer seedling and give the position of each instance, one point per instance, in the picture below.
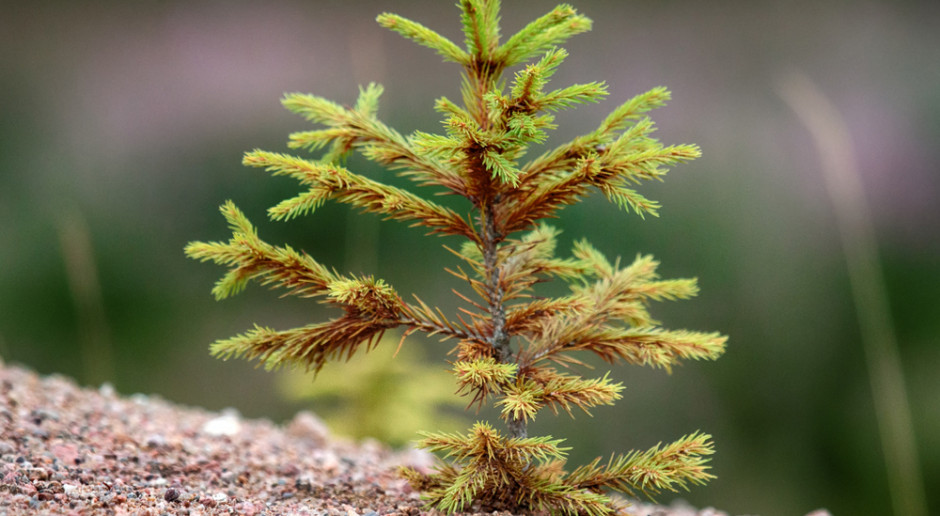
{"points": [[514, 349]]}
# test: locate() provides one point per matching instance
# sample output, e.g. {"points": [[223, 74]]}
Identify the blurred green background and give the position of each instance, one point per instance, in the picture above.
{"points": [[122, 126]]}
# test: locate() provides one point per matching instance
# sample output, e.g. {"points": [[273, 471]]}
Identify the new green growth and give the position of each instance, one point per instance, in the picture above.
{"points": [[511, 348]]}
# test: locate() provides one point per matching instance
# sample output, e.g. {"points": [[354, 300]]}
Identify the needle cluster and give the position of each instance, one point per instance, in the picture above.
{"points": [[513, 349]]}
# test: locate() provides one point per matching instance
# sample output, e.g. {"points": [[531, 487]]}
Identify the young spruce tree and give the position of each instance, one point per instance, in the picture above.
{"points": [[513, 348]]}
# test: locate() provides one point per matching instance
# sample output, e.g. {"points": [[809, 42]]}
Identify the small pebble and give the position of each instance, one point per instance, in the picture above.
{"points": [[308, 426], [106, 390], [329, 461], [37, 474], [228, 424], [155, 441], [40, 415]]}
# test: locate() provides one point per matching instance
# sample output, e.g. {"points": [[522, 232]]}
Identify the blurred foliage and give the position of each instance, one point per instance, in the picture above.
{"points": [[383, 394]]}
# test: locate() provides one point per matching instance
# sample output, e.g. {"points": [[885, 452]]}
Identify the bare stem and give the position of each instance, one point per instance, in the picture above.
{"points": [[499, 339]]}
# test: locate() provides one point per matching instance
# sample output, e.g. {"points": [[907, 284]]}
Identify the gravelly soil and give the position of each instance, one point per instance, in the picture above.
{"points": [[74, 451]]}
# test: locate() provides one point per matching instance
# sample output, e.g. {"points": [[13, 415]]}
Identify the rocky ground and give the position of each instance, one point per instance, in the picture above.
{"points": [[68, 450]]}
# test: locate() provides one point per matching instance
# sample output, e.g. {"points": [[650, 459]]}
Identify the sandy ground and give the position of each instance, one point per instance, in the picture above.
{"points": [[68, 450]]}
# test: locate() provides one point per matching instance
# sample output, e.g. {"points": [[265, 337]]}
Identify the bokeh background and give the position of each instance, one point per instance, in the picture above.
{"points": [[122, 126]]}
